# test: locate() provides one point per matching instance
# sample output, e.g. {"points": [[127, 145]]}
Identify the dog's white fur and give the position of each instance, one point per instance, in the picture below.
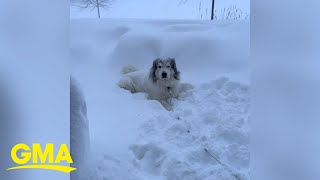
{"points": [[161, 83]]}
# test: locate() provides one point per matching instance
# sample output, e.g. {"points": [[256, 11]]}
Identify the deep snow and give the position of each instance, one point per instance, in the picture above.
{"points": [[135, 138]]}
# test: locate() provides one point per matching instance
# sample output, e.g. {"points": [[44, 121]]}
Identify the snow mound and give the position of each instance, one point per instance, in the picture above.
{"points": [[211, 120], [214, 117]]}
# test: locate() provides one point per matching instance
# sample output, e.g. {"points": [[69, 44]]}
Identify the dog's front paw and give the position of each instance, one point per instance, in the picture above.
{"points": [[166, 105], [169, 108]]}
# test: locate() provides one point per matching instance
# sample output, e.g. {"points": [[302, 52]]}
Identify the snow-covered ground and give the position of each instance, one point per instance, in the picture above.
{"points": [[161, 9], [135, 138]]}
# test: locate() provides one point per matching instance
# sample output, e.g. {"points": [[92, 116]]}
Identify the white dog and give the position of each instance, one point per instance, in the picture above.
{"points": [[161, 83]]}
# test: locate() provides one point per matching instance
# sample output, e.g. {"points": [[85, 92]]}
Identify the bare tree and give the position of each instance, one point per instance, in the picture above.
{"points": [[92, 4]]}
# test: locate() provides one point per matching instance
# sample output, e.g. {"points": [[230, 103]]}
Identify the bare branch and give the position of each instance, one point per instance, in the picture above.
{"points": [[92, 4]]}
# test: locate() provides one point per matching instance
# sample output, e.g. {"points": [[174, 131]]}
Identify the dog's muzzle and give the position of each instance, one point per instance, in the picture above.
{"points": [[164, 75]]}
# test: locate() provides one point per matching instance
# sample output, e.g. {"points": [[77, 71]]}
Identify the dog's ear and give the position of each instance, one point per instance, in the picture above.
{"points": [[173, 65], [152, 74]]}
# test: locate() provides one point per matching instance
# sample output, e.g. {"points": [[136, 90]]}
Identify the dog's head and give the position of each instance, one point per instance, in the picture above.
{"points": [[164, 69]]}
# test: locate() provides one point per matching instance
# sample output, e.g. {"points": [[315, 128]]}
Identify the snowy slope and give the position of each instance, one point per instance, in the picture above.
{"points": [[161, 9], [135, 138]]}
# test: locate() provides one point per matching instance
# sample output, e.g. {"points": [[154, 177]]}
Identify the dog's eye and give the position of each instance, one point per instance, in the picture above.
{"points": [[168, 66], [159, 66]]}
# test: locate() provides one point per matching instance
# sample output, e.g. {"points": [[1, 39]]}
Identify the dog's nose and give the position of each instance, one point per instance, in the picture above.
{"points": [[164, 75]]}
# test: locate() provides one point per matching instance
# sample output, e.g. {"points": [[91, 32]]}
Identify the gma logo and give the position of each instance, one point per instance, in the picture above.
{"points": [[41, 159]]}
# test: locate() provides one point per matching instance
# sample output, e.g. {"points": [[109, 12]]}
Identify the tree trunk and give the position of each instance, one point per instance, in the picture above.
{"points": [[98, 11], [98, 8], [212, 10]]}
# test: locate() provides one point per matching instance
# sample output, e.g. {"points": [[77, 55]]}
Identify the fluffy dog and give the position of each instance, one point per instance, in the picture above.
{"points": [[161, 83]]}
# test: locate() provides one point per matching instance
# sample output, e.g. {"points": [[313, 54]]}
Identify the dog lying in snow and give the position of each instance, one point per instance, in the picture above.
{"points": [[161, 83]]}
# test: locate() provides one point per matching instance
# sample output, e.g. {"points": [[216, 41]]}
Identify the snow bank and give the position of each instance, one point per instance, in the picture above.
{"points": [[135, 138], [79, 130], [214, 47]]}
